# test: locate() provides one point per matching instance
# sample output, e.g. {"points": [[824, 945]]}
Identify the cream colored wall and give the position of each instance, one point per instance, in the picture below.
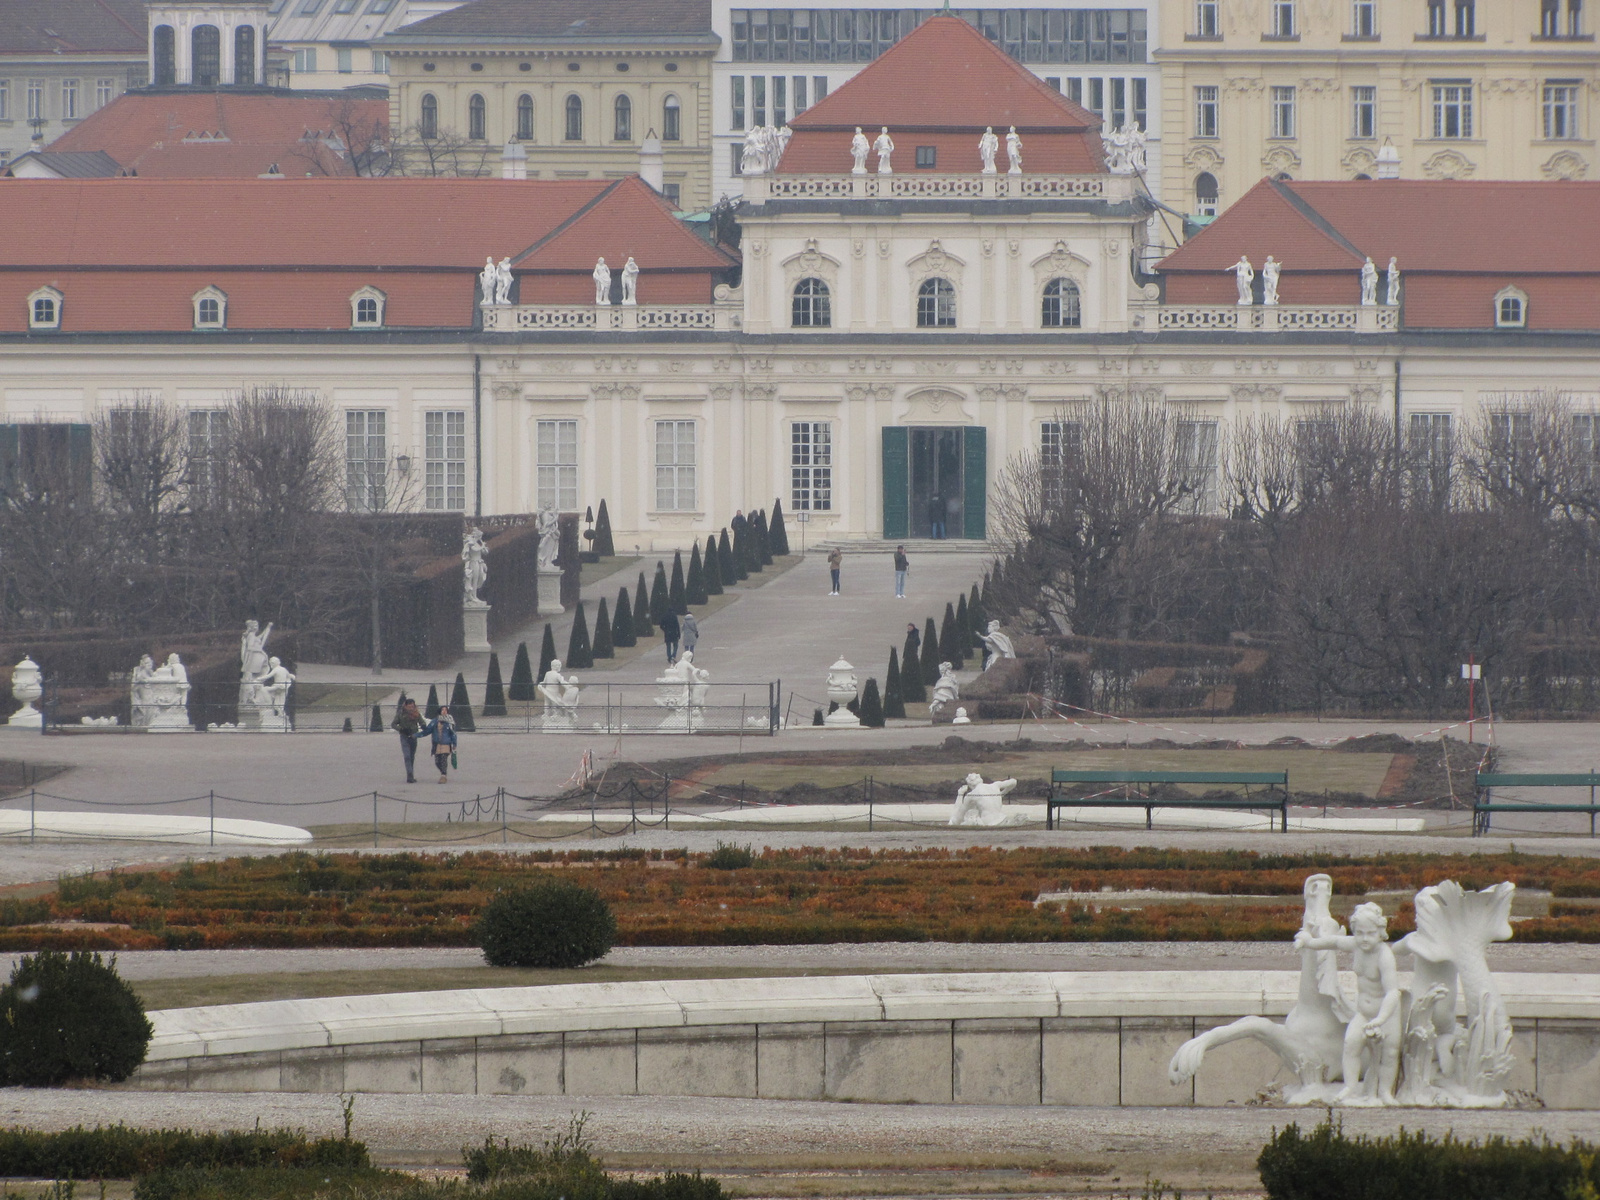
{"points": [[647, 83], [1507, 65]]}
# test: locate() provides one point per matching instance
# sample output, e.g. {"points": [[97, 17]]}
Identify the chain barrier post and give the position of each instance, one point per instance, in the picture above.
{"points": [[633, 807], [33, 814], [666, 802], [869, 803], [374, 820], [502, 816], [213, 817]]}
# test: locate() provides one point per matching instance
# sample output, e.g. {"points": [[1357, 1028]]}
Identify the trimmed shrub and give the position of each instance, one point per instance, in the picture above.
{"points": [[930, 654], [522, 675], [376, 724], [950, 639], [728, 857], [675, 593], [871, 710], [555, 924], [579, 652], [713, 568], [461, 707], [270, 1183], [430, 710], [602, 633], [911, 685], [603, 545], [494, 692], [694, 584], [976, 621], [660, 595], [66, 1017], [547, 654], [894, 703], [622, 621], [1326, 1165], [726, 563], [963, 625], [642, 624], [763, 543], [777, 535], [816, 716], [119, 1152]]}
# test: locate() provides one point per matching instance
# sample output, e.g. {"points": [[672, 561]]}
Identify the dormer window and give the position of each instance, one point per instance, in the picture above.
{"points": [[366, 309], [210, 308], [1511, 308], [44, 309]]}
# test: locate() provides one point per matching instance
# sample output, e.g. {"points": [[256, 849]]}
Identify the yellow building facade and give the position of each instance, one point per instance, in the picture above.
{"points": [[579, 106], [1313, 89]]}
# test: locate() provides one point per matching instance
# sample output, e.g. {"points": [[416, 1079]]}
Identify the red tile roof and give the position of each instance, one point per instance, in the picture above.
{"points": [[943, 84], [227, 133], [1457, 241], [128, 253], [564, 19], [34, 27]]}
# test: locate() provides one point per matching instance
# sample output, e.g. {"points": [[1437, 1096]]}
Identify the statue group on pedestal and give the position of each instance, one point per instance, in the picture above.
{"points": [[494, 281], [860, 146], [160, 695], [763, 148], [681, 690], [1126, 149], [989, 146], [1392, 1045], [560, 694], [264, 681], [630, 283]]}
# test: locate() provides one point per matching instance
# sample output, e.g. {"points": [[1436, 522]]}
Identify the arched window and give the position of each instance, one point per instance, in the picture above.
{"points": [[671, 120], [1063, 307], [206, 43], [366, 309], [164, 45], [429, 125], [210, 308], [574, 119], [1511, 308], [244, 55], [813, 308], [623, 130], [1205, 194], [44, 309], [936, 304], [525, 118], [475, 118]]}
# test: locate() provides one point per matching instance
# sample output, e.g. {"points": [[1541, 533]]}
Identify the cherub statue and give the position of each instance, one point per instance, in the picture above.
{"points": [[988, 147], [860, 147], [1371, 1058]]}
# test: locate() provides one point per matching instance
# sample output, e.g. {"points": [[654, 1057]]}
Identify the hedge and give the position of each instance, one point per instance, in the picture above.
{"points": [[119, 1152]]}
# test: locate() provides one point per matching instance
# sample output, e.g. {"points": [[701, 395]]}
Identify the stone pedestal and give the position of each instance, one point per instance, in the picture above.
{"points": [[475, 627], [549, 587], [842, 718]]}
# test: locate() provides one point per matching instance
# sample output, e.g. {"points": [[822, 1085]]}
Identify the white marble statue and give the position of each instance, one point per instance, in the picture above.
{"points": [[946, 691], [884, 145], [1136, 148], [27, 685], [252, 661], [1369, 283], [273, 686], [961, 717], [549, 538], [860, 147], [139, 690], [1391, 283], [996, 646], [560, 693], [630, 282], [841, 690], [1394, 1045], [502, 282], [979, 803], [1244, 275], [782, 137], [1116, 148], [487, 278], [681, 689], [1014, 152], [160, 695], [602, 282], [753, 160], [1269, 280], [475, 566], [988, 147]]}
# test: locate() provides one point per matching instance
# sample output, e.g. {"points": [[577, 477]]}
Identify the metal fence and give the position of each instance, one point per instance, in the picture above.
{"points": [[369, 705]]}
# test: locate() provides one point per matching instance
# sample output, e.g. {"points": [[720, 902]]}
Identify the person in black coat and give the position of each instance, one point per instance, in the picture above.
{"points": [[670, 631]]}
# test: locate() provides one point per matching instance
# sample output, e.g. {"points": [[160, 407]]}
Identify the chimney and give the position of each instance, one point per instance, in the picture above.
{"points": [[652, 164], [1388, 162], [513, 161]]}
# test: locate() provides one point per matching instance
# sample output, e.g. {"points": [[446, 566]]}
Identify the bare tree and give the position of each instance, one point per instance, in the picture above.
{"points": [[443, 154], [354, 141]]}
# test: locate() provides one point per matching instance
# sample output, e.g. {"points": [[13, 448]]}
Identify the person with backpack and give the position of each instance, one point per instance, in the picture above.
{"points": [[408, 723], [442, 729]]}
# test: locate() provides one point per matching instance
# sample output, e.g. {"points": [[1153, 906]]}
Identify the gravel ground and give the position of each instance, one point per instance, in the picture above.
{"points": [[868, 958]]}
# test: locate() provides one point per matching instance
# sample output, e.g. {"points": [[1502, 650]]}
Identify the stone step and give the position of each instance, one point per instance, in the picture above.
{"points": [[913, 547]]}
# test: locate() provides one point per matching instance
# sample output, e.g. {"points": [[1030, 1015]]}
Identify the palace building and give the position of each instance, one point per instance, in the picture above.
{"points": [[876, 347]]}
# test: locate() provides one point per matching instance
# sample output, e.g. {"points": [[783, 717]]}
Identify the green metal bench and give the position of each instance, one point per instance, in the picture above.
{"points": [[1246, 779], [1483, 800]]}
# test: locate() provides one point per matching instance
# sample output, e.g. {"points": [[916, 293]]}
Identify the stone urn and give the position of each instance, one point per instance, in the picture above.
{"points": [[842, 690], [27, 685]]}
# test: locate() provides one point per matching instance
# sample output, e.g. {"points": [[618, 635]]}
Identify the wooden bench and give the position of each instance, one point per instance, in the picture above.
{"points": [[1146, 779], [1483, 799]]}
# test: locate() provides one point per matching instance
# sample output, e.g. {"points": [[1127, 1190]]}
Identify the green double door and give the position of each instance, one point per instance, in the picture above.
{"points": [[935, 481]]}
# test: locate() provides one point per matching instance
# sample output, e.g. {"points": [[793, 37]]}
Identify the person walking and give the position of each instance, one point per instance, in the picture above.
{"points": [[690, 629], [835, 561], [670, 631], [913, 635], [408, 723], [442, 729], [902, 564]]}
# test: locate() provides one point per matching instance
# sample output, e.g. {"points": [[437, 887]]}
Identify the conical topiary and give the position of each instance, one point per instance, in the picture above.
{"points": [[713, 568], [602, 632], [763, 540], [642, 626], [494, 692], [741, 551], [522, 675], [976, 621], [871, 713], [461, 707], [725, 561], [547, 651], [603, 544], [894, 702], [911, 686], [983, 594], [694, 583], [376, 726], [430, 710], [930, 654], [675, 593], [777, 535], [963, 625], [660, 595], [950, 647], [579, 652], [622, 622]]}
